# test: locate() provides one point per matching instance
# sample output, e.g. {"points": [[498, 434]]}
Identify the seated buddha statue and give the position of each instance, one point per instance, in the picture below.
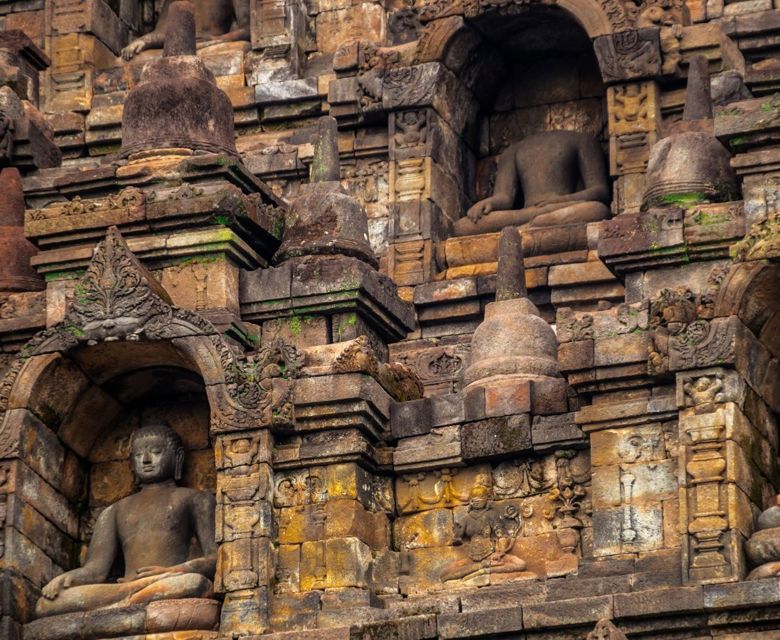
{"points": [[556, 178], [153, 529], [763, 547], [216, 21]]}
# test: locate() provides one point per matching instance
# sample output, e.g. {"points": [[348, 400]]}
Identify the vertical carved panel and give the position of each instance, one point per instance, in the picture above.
{"points": [[244, 524], [708, 557], [717, 504], [634, 117]]}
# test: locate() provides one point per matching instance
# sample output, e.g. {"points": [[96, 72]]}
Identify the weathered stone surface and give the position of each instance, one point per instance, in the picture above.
{"points": [[496, 436]]}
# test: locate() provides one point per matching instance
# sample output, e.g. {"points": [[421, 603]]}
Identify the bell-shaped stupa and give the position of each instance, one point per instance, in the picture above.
{"points": [[325, 219], [690, 165], [177, 104], [513, 342]]}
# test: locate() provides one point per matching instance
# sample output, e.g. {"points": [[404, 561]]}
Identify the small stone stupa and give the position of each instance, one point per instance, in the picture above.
{"points": [[514, 342], [325, 219], [177, 104], [690, 165]]}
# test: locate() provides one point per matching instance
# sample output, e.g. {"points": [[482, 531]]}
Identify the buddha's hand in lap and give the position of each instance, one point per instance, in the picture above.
{"points": [[53, 589], [134, 48], [479, 210]]}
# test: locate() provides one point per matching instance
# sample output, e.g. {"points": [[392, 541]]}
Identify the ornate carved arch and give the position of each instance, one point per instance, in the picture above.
{"points": [[118, 299]]}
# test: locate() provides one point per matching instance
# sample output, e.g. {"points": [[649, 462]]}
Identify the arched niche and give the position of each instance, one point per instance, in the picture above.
{"points": [[520, 72], [750, 292], [68, 426], [76, 390], [532, 72]]}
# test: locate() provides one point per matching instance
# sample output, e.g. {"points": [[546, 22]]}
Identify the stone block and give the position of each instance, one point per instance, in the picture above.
{"points": [[245, 612], [740, 594], [646, 482], [586, 587], [480, 623], [59, 383], [33, 526], [433, 528], [411, 418], [548, 396], [548, 431], [36, 444], [34, 491], [288, 568], [384, 572], [342, 26], [442, 446], [506, 398], [243, 563], [26, 558], [423, 491], [302, 331], [567, 613], [627, 528], [619, 446], [447, 409], [577, 355], [285, 91], [496, 436], [294, 611], [621, 349], [656, 601], [203, 285], [337, 563], [109, 482]]}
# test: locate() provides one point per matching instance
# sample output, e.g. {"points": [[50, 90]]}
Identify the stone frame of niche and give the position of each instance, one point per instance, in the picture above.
{"points": [[244, 408], [630, 60]]}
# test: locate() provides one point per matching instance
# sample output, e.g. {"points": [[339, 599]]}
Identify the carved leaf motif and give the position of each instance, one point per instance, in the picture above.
{"points": [[114, 299]]}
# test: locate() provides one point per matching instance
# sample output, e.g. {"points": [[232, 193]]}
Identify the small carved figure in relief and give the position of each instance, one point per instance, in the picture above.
{"points": [[489, 535], [559, 176], [704, 390], [153, 529], [763, 547], [216, 21]]}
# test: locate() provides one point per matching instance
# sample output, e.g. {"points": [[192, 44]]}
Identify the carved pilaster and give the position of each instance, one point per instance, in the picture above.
{"points": [[244, 528], [722, 478], [634, 120]]}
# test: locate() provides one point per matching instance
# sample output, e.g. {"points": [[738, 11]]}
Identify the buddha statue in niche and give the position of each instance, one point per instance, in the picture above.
{"points": [[153, 529], [559, 177], [216, 21]]}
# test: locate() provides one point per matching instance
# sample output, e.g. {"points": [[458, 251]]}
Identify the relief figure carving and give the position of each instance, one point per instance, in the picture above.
{"points": [[489, 534]]}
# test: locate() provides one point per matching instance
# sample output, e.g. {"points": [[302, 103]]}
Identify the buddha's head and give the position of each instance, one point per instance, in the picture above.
{"points": [[156, 453]]}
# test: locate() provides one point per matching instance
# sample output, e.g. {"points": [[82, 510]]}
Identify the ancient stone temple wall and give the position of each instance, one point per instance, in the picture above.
{"points": [[327, 319]]}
